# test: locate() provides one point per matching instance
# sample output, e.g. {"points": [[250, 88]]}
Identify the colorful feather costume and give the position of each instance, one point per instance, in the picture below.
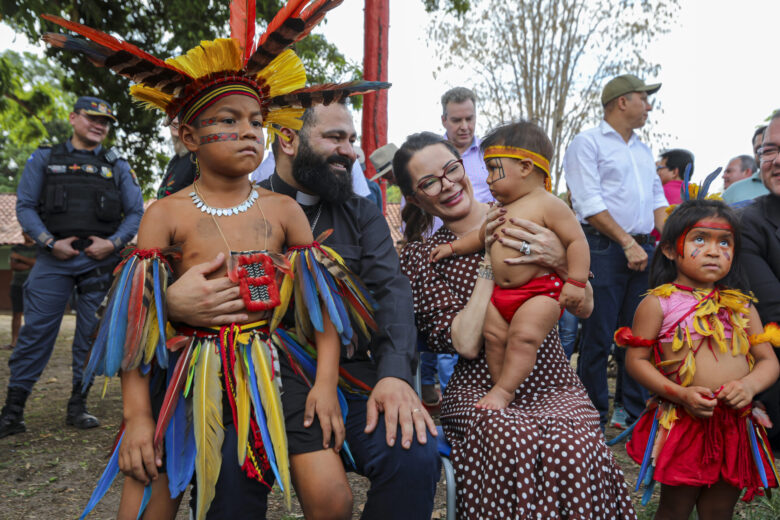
{"points": [[264, 68], [242, 359], [675, 448], [134, 330]]}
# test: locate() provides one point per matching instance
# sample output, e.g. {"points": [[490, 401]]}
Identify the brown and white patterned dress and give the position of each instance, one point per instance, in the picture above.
{"points": [[542, 457]]}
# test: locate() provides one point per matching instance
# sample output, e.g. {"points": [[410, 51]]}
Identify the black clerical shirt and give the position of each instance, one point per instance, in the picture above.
{"points": [[361, 236]]}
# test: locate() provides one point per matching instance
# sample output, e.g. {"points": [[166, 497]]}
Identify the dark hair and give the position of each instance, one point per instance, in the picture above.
{"points": [[416, 221], [678, 159], [457, 95], [759, 131], [663, 270], [521, 134]]}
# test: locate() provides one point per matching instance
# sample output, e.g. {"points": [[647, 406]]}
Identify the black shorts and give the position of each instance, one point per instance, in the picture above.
{"points": [[294, 394], [17, 298]]}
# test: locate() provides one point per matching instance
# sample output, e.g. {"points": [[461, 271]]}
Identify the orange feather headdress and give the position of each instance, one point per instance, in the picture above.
{"points": [[184, 86]]}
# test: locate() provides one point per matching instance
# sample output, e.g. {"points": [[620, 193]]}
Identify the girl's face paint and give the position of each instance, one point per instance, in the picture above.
{"points": [[707, 252]]}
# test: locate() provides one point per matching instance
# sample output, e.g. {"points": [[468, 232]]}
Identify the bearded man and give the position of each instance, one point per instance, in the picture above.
{"points": [[391, 435]]}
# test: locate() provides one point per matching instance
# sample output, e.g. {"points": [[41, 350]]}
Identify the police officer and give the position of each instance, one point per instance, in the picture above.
{"points": [[81, 204]]}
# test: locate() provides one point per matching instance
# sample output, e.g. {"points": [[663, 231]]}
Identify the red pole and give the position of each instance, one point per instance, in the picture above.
{"points": [[375, 51]]}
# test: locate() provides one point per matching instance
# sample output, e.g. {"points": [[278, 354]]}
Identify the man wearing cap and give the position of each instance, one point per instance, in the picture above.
{"points": [[81, 204], [619, 200]]}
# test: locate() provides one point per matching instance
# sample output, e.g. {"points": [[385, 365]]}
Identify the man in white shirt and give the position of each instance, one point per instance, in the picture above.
{"points": [[619, 200]]}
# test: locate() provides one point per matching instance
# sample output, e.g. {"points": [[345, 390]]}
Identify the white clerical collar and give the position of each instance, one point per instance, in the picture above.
{"points": [[305, 199]]}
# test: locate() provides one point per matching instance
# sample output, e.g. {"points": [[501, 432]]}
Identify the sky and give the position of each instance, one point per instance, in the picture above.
{"points": [[718, 69]]}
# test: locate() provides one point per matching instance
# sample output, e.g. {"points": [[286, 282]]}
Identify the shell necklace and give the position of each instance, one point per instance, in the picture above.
{"points": [[222, 212]]}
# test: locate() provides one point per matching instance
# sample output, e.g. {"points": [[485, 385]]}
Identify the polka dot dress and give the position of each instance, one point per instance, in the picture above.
{"points": [[542, 457]]}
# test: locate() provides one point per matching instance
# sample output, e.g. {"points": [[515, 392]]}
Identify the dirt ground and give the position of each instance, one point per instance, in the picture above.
{"points": [[50, 471]]}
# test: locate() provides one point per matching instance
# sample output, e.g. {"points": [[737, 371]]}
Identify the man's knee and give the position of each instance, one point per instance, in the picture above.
{"points": [[421, 463]]}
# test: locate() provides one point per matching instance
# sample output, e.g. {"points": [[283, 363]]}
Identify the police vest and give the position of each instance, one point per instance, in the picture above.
{"points": [[80, 196]]}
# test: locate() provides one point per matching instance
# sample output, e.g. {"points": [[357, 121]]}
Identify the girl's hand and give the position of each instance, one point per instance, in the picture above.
{"points": [[735, 394], [324, 402], [137, 456], [699, 401]]}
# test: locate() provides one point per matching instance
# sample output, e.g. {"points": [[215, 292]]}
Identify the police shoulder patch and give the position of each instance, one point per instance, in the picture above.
{"points": [[106, 172], [134, 177]]}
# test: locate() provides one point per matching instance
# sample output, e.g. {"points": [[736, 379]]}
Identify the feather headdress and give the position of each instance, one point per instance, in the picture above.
{"points": [[186, 85]]}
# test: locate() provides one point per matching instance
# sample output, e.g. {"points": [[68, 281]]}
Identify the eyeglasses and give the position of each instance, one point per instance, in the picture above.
{"points": [[768, 153], [431, 185], [96, 120], [659, 168]]}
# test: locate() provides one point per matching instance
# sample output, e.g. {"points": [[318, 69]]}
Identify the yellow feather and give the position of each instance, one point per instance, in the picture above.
{"points": [[663, 291], [151, 97], [272, 405], [668, 416], [771, 335], [284, 74], [287, 117], [677, 342], [151, 332], [285, 292], [242, 408], [209, 432], [687, 369], [210, 57]]}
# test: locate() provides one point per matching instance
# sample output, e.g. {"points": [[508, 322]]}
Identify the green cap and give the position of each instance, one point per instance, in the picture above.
{"points": [[624, 84]]}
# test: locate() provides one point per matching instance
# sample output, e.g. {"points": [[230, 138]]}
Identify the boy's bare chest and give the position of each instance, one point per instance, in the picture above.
{"points": [[202, 236]]}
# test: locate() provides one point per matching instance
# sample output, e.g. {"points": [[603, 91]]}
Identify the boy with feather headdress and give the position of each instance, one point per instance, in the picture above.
{"points": [[222, 389]]}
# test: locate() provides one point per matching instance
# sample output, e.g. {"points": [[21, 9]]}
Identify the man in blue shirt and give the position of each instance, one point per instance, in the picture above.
{"points": [[81, 204]]}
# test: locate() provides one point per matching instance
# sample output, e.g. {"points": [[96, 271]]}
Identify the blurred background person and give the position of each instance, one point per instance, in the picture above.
{"points": [[22, 259]]}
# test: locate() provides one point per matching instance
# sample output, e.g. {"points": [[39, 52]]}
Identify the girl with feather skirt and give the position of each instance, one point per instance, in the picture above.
{"points": [[205, 404], [699, 346]]}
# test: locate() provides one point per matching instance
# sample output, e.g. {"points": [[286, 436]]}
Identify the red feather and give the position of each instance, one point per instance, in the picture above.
{"points": [[315, 13], [358, 307], [175, 385], [136, 316], [108, 41], [242, 25], [624, 337], [291, 10]]}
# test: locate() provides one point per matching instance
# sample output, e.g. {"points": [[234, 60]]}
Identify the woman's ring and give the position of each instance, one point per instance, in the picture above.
{"points": [[525, 248], [415, 410]]}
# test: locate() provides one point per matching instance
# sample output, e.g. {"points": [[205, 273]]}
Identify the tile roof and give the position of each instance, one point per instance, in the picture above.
{"points": [[393, 217], [10, 230]]}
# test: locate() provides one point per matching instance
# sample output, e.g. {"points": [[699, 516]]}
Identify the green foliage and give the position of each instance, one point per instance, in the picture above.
{"points": [[163, 28], [33, 109], [456, 7]]}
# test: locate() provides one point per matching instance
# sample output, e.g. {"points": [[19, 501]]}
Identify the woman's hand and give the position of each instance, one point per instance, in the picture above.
{"points": [[200, 302], [495, 217], [138, 457], [699, 401], [323, 401], [545, 247]]}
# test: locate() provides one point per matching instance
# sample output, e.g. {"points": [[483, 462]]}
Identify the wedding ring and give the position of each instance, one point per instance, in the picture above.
{"points": [[415, 410], [525, 248]]}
